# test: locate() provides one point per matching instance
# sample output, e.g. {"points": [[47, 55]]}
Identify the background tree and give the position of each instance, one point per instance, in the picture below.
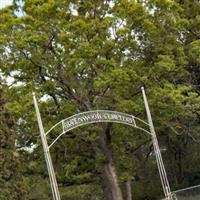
{"points": [[11, 181]]}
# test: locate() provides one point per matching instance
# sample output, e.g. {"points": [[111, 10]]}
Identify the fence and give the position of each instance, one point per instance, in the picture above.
{"points": [[190, 193]]}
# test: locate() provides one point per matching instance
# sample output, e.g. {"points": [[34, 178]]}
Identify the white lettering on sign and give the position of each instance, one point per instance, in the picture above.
{"points": [[97, 116]]}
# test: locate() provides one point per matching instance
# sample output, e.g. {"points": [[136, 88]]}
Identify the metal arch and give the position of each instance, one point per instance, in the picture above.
{"points": [[88, 118], [68, 125], [53, 127]]}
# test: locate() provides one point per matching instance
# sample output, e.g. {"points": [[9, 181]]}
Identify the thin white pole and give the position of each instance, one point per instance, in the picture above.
{"points": [[156, 149], [52, 177], [161, 167]]}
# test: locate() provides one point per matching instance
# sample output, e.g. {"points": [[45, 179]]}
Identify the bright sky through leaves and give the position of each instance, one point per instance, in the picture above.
{"points": [[4, 3]]}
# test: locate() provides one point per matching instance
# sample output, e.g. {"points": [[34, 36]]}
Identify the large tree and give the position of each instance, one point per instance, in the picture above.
{"points": [[83, 55]]}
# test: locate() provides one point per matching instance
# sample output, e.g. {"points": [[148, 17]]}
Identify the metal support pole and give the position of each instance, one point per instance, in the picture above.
{"points": [[161, 167], [52, 177]]}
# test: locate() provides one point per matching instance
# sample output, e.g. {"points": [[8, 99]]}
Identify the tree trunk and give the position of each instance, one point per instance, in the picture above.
{"points": [[110, 184], [128, 189], [111, 188]]}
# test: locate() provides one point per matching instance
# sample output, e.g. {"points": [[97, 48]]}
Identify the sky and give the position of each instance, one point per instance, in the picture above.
{"points": [[4, 3]]}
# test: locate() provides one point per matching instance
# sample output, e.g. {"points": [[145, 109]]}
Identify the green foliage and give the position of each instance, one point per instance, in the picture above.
{"points": [[85, 55], [12, 185], [84, 192], [194, 50]]}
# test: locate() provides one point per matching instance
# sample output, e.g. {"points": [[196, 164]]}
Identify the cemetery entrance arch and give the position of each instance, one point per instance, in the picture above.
{"points": [[97, 116]]}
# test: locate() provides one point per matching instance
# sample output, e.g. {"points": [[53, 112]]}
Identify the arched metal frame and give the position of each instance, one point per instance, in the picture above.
{"points": [[98, 116]]}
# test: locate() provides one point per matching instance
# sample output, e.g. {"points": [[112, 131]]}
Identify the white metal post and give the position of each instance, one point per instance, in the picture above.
{"points": [[52, 177], [161, 167]]}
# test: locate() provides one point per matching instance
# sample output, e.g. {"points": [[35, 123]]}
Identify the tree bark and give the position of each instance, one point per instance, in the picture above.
{"points": [[128, 189], [111, 188], [110, 184]]}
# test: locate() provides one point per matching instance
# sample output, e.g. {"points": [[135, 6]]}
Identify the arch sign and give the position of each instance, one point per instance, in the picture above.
{"points": [[97, 116]]}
